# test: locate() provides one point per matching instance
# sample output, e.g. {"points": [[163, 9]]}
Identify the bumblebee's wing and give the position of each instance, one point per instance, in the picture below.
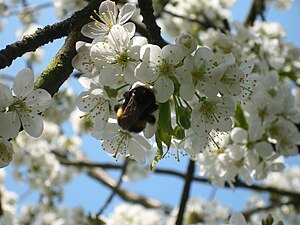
{"points": [[131, 114]]}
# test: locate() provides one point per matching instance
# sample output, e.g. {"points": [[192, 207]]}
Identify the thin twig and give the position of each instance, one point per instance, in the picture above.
{"points": [[114, 192], [101, 176], [186, 192], [207, 24], [238, 183], [47, 34], [250, 212]]}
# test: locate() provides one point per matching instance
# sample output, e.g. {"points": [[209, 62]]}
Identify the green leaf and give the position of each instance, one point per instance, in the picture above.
{"points": [[239, 116]]}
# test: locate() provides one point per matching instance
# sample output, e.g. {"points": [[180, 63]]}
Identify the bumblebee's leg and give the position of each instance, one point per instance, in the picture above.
{"points": [[148, 116], [150, 119], [154, 107], [138, 126], [116, 107]]}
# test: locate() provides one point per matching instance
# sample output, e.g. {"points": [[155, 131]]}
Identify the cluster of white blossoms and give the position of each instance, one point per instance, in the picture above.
{"points": [[36, 163], [8, 202], [22, 109], [65, 7], [134, 214], [195, 89], [266, 121], [42, 213], [287, 212], [177, 16], [197, 212], [28, 29], [200, 212], [46, 214]]}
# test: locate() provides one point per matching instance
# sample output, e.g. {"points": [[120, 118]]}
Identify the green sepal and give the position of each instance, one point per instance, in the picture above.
{"points": [[184, 115], [291, 74], [164, 129], [239, 117], [93, 220], [159, 152], [179, 132], [112, 93]]}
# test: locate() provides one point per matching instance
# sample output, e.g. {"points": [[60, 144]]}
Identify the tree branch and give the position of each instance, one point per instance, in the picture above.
{"points": [[101, 176], [47, 34], [113, 193], [238, 183], [186, 192], [257, 8], [149, 20]]}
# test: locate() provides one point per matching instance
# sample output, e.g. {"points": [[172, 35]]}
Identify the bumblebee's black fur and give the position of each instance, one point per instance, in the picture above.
{"points": [[136, 110]]}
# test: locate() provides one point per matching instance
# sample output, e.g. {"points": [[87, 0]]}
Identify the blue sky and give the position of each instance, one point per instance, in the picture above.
{"points": [[85, 192]]}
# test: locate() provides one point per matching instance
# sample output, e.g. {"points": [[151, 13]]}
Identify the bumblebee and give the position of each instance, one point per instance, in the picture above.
{"points": [[136, 110]]}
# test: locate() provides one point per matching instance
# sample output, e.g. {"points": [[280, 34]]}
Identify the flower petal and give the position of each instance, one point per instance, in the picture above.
{"points": [[125, 13], [151, 53], [136, 151], [10, 124], [164, 89], [83, 63], [23, 83], [130, 28], [146, 73], [239, 135], [173, 54], [108, 9], [203, 53], [264, 149], [6, 98], [93, 31], [38, 100], [237, 219], [32, 124]]}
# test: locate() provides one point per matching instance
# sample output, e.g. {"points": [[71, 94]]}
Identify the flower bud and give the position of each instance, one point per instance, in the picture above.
{"points": [[6, 152], [187, 41]]}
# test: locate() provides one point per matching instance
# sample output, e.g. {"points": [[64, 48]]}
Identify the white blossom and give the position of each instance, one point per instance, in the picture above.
{"points": [[65, 7], [212, 114], [109, 16], [118, 56], [128, 214], [159, 66], [120, 142], [24, 107], [37, 55]]}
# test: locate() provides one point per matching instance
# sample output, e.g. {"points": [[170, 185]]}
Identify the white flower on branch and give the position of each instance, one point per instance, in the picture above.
{"points": [[212, 114], [118, 56], [160, 66], [120, 142], [23, 108], [108, 16]]}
